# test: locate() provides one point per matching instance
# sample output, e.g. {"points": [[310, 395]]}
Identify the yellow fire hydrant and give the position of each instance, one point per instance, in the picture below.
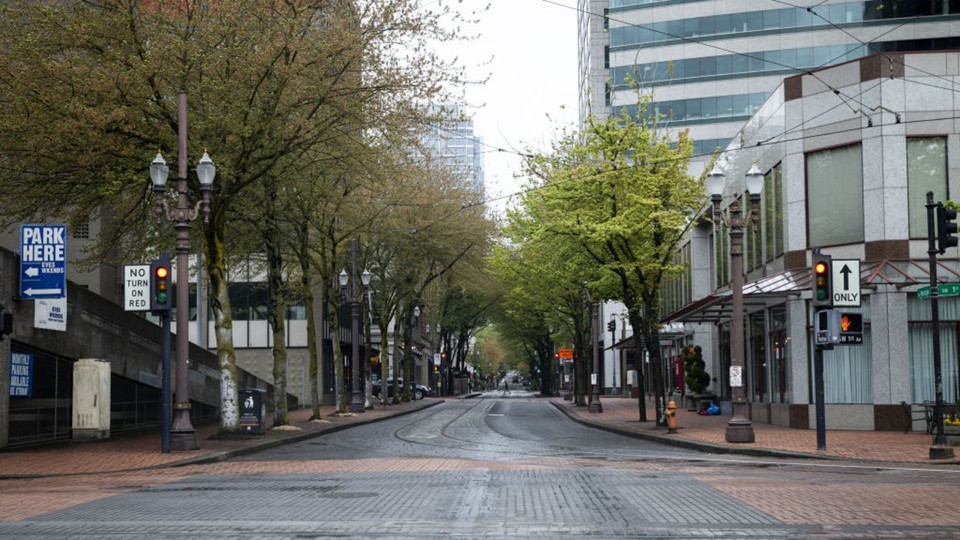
{"points": [[671, 417]]}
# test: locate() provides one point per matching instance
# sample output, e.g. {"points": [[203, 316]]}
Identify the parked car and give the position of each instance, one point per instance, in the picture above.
{"points": [[420, 391]]}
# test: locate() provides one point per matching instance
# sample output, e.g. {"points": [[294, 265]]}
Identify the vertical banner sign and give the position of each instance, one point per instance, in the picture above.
{"points": [[50, 314], [736, 376], [43, 261], [21, 374]]}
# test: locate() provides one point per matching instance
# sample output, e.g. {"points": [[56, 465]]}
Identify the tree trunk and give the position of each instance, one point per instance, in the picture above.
{"points": [[276, 317], [220, 299], [407, 354], [314, 366], [637, 322], [333, 323]]}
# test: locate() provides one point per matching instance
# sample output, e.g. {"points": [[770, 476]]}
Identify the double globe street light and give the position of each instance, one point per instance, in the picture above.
{"points": [[353, 297], [183, 437], [739, 428]]}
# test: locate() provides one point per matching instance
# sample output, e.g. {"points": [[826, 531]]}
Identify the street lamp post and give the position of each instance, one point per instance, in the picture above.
{"points": [[183, 437], [353, 296], [739, 428]]}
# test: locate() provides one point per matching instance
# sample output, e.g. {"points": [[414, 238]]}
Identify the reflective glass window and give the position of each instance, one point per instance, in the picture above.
{"points": [[754, 21], [788, 18], [708, 107], [708, 66], [722, 24], [725, 106], [675, 28], [771, 18]]}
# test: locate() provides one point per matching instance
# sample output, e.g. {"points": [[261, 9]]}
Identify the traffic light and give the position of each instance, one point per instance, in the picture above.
{"points": [[160, 294], [822, 288], [612, 326], [946, 228]]}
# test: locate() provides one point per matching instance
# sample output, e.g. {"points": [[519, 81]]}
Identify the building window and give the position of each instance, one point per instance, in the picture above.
{"points": [[926, 171], [753, 237], [773, 211], [722, 241], [835, 196], [921, 347]]}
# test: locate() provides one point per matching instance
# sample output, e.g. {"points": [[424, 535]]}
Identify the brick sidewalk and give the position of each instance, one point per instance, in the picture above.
{"points": [[707, 432], [125, 452]]}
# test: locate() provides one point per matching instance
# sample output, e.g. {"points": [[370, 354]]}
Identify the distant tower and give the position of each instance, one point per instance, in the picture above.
{"points": [[454, 141]]}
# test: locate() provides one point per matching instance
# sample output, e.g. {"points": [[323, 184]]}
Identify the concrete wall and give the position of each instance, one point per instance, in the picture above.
{"points": [[99, 328]]}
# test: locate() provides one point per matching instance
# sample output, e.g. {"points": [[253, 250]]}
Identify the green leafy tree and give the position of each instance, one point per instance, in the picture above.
{"points": [[696, 377], [618, 191], [88, 90]]}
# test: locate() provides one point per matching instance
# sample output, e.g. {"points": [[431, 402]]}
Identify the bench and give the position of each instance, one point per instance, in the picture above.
{"points": [[914, 415], [926, 414]]}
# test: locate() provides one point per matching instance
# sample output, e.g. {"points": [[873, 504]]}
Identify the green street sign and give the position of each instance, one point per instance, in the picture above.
{"points": [[943, 289]]}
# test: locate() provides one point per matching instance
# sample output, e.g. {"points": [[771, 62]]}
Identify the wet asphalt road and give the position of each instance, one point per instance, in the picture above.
{"points": [[507, 467]]}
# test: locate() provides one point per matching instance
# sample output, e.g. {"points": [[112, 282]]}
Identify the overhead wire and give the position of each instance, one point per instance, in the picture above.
{"points": [[844, 99]]}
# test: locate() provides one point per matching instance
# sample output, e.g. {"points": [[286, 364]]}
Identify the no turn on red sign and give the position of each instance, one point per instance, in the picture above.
{"points": [[136, 287]]}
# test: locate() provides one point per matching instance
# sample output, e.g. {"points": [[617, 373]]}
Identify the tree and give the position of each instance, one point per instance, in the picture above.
{"points": [[618, 191], [697, 379], [544, 275], [87, 90]]}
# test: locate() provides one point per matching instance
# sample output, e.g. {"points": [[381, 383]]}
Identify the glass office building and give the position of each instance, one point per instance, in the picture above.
{"points": [[709, 64]]}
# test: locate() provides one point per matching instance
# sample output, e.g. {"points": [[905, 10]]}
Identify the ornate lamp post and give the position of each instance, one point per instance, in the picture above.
{"points": [[353, 296], [182, 435], [739, 428]]}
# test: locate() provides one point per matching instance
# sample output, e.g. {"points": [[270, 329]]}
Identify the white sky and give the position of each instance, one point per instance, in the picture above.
{"points": [[532, 90]]}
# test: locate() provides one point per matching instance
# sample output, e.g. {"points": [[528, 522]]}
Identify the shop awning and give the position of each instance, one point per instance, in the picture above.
{"points": [[775, 289]]}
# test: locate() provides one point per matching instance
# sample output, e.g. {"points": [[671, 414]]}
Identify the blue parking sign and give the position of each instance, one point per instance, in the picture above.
{"points": [[43, 261]]}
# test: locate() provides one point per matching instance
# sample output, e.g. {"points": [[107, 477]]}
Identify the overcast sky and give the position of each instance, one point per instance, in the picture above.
{"points": [[532, 90]]}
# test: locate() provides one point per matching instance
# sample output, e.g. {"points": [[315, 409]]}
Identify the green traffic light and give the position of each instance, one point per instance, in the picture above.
{"points": [[162, 298]]}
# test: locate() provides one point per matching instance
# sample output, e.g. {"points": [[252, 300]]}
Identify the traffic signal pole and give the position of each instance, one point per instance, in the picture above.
{"points": [[167, 395], [822, 301], [945, 239]]}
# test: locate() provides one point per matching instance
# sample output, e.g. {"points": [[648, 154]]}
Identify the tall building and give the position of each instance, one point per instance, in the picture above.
{"points": [[454, 142], [709, 64]]}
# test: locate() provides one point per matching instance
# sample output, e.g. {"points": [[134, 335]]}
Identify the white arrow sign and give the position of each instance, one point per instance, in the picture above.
{"points": [[43, 292], [33, 271], [846, 282]]}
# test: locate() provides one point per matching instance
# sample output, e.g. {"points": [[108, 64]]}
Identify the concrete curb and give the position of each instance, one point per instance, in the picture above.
{"points": [[216, 457], [300, 437], [679, 441]]}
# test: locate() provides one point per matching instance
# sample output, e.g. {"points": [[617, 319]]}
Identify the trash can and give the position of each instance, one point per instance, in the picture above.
{"points": [[253, 410]]}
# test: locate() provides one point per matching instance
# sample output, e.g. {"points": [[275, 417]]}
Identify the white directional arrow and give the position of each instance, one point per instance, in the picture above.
{"points": [[33, 271], [37, 292]]}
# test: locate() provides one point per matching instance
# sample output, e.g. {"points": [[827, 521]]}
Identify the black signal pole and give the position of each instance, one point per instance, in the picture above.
{"points": [[939, 449]]}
